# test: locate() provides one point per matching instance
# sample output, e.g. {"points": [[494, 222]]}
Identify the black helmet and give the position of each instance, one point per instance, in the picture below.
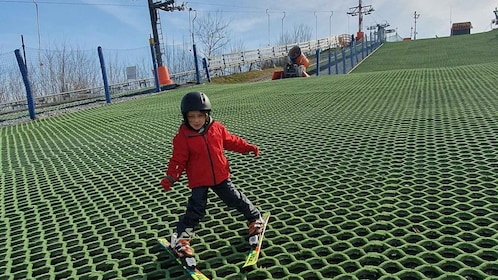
{"points": [[195, 101]]}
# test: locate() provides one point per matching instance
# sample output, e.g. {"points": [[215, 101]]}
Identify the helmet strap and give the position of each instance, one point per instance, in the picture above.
{"points": [[209, 119], [206, 124]]}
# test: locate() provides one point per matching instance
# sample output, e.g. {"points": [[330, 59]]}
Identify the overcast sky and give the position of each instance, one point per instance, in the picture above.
{"points": [[125, 24]]}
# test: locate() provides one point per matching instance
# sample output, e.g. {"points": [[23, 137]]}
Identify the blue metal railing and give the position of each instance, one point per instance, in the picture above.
{"points": [[339, 57]]}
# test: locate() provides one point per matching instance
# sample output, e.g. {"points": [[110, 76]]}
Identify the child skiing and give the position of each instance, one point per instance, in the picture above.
{"points": [[198, 149]]}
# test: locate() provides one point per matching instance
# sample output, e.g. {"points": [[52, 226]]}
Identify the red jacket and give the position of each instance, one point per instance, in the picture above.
{"points": [[202, 155]]}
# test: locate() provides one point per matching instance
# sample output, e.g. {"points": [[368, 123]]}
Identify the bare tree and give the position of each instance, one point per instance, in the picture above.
{"points": [[300, 33], [65, 68], [212, 32], [237, 47]]}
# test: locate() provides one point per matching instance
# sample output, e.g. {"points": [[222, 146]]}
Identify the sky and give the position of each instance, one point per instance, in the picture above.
{"points": [[125, 24]]}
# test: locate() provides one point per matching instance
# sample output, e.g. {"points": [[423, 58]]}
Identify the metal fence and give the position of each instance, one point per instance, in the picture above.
{"points": [[338, 54]]}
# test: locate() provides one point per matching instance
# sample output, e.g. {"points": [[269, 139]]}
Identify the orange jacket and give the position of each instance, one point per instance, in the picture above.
{"points": [[202, 156]]}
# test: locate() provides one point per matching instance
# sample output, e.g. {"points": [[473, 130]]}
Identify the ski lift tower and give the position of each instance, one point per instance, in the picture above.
{"points": [[380, 31], [154, 6], [359, 11]]}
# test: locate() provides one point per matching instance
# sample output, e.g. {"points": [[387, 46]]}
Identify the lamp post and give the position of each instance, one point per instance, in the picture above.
{"points": [[194, 49], [283, 27], [330, 27], [38, 28], [268, 27], [316, 26]]}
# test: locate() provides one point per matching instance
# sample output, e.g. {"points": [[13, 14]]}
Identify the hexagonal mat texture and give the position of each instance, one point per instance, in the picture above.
{"points": [[382, 175]]}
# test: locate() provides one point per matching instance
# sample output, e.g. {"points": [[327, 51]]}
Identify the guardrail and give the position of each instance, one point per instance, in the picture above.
{"points": [[218, 65], [235, 59], [76, 95]]}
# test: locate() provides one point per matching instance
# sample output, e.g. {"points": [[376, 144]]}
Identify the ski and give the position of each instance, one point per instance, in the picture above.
{"points": [[195, 274], [253, 256]]}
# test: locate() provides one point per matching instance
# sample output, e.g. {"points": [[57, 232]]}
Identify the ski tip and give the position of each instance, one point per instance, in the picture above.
{"points": [[163, 240]]}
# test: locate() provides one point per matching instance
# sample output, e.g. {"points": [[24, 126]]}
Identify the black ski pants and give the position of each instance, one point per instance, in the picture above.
{"points": [[226, 191]]}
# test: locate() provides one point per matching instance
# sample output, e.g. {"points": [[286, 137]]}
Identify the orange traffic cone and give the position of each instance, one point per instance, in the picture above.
{"points": [[163, 74]]}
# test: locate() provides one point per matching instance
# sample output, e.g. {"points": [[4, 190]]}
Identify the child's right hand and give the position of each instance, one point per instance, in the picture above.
{"points": [[166, 184], [255, 150]]}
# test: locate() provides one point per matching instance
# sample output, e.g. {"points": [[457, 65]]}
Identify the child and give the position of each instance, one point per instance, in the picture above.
{"points": [[198, 149]]}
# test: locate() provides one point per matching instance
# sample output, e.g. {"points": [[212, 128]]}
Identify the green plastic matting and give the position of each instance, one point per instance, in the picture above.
{"points": [[384, 175]]}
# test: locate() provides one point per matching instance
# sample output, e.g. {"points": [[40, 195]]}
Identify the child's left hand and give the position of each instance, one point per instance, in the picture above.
{"points": [[166, 184], [255, 150]]}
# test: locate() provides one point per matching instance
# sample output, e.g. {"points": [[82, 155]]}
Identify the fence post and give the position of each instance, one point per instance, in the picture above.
{"points": [[29, 93], [104, 75], [363, 48], [330, 61], [372, 45], [356, 53], [366, 47], [335, 62], [206, 67], [351, 54], [343, 61], [154, 65], [317, 54], [196, 63]]}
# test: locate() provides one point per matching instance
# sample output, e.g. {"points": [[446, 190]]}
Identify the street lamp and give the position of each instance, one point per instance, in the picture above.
{"points": [[192, 30], [194, 48], [283, 27], [330, 27], [316, 26], [268, 27], [38, 27]]}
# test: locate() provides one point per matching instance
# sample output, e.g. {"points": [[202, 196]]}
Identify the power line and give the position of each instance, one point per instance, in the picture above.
{"points": [[359, 11], [71, 3]]}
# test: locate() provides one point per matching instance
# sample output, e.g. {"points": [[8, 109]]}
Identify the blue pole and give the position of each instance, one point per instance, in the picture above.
{"points": [[366, 44], [330, 61], [196, 62], [317, 62], [154, 66], [29, 93], [343, 61], [363, 48], [356, 53], [104, 76], [336, 64], [206, 67], [351, 54]]}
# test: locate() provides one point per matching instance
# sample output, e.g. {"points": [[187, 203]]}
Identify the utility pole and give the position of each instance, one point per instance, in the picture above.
{"points": [[316, 26], [380, 31], [168, 6], [268, 14], [415, 17], [359, 11], [283, 40], [496, 16], [38, 28]]}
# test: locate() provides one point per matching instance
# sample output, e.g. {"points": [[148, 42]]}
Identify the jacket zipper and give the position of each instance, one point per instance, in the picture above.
{"points": [[210, 159]]}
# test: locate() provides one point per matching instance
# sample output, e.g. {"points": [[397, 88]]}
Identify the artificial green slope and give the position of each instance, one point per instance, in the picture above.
{"points": [[380, 175], [433, 53]]}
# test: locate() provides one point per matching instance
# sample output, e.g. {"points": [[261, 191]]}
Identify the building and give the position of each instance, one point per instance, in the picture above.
{"points": [[461, 28]]}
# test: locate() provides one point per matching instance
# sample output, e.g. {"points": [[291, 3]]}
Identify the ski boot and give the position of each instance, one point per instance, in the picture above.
{"points": [[255, 230], [181, 247]]}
